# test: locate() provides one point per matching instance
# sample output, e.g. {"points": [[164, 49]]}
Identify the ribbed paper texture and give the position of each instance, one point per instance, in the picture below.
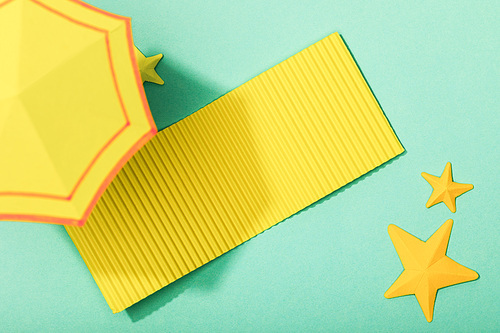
{"points": [[238, 166]]}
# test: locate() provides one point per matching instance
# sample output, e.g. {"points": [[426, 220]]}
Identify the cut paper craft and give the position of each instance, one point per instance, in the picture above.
{"points": [[243, 163], [147, 67], [445, 189], [72, 108], [426, 267]]}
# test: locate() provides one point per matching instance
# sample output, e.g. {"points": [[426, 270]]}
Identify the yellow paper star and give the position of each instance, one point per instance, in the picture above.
{"points": [[147, 67], [445, 189], [426, 267]]}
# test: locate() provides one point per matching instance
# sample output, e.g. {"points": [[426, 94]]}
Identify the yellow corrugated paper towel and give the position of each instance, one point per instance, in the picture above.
{"points": [[243, 163]]}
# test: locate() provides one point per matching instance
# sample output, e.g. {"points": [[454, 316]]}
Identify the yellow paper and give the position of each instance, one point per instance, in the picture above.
{"points": [[243, 163], [72, 108]]}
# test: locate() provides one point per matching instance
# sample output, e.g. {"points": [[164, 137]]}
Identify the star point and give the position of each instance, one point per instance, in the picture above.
{"points": [[147, 67], [426, 267], [445, 189]]}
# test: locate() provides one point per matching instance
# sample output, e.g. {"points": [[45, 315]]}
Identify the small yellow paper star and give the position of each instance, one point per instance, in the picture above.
{"points": [[147, 67], [426, 267], [445, 189]]}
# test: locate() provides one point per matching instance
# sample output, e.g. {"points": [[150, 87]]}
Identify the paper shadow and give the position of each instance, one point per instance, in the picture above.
{"points": [[206, 277], [183, 93]]}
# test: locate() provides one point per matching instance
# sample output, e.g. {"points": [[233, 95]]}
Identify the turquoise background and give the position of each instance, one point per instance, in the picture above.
{"points": [[434, 67]]}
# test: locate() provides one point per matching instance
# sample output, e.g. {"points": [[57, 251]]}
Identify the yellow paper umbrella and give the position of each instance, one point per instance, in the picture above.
{"points": [[72, 108]]}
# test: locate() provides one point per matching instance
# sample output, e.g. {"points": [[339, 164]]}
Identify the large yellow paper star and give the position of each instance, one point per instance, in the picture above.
{"points": [[445, 189], [147, 67], [426, 267]]}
